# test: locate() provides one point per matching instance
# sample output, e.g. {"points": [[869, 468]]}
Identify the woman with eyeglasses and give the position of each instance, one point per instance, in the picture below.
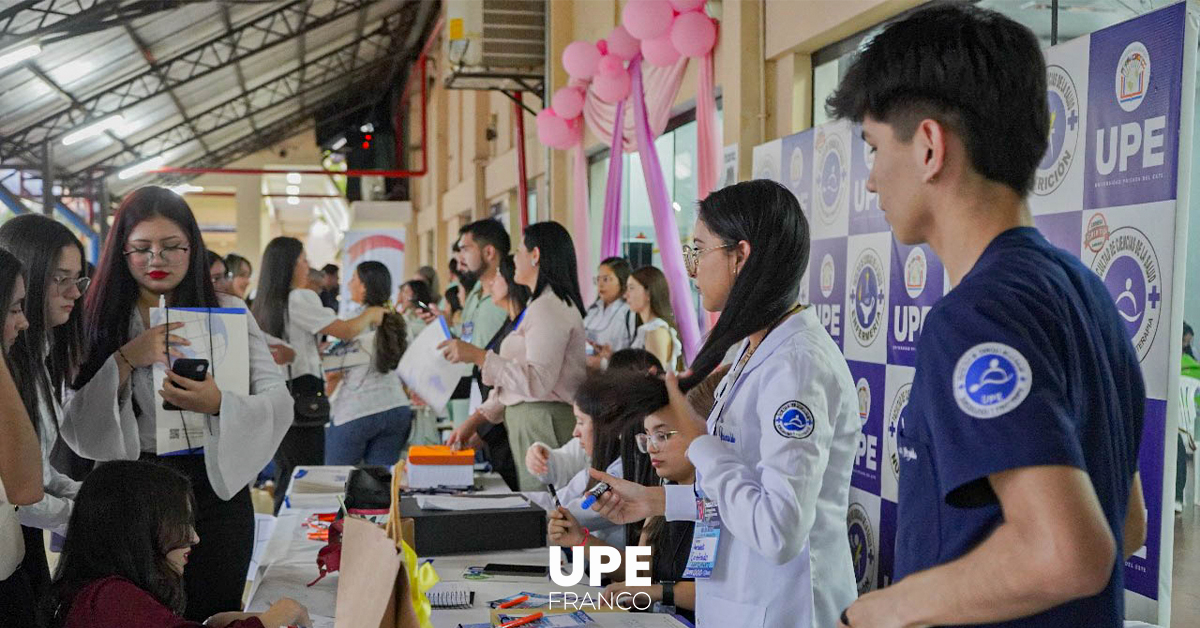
{"points": [[42, 358], [774, 457], [609, 323], [222, 279], [155, 253]]}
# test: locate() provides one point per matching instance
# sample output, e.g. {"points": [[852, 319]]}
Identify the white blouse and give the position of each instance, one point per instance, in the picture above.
{"points": [[639, 341], [100, 422], [306, 316], [53, 512], [12, 542], [363, 390]]}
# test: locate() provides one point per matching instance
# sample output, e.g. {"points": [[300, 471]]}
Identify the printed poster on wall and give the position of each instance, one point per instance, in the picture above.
{"points": [[379, 245], [1108, 190]]}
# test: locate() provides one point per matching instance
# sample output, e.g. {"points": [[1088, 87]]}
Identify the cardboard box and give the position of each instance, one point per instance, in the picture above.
{"points": [[441, 532]]}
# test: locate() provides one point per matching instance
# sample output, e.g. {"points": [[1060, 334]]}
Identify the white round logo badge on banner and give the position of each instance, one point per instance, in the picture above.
{"points": [[828, 274], [831, 175], [1128, 265], [868, 298], [796, 168], [916, 272], [991, 379], [862, 547], [1133, 76], [894, 425], [1063, 101], [863, 388]]}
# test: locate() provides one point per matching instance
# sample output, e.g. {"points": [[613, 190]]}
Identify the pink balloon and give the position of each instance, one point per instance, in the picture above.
{"points": [[660, 51], [693, 34], [568, 102], [647, 19], [683, 6], [552, 130], [621, 44], [611, 88], [580, 59], [610, 65]]}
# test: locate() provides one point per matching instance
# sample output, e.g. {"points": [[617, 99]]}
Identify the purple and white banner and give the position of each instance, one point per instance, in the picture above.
{"points": [[1109, 190]]}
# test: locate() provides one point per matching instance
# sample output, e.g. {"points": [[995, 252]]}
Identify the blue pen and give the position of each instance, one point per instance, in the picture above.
{"points": [[445, 327]]}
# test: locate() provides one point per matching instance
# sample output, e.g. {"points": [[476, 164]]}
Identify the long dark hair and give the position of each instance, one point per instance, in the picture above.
{"points": [[617, 416], [10, 272], [659, 292], [114, 295], [557, 267], [619, 267], [518, 294], [234, 263], [275, 283], [127, 517], [768, 216], [391, 339], [39, 240]]}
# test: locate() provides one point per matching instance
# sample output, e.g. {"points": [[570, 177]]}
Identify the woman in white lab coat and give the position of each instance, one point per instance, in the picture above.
{"points": [[155, 255], [774, 458]]}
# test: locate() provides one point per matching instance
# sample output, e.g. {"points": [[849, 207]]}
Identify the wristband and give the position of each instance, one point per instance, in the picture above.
{"points": [[122, 354], [586, 532], [668, 593]]}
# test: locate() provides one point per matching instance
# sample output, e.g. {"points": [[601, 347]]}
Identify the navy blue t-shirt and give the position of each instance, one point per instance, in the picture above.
{"points": [[1025, 363]]}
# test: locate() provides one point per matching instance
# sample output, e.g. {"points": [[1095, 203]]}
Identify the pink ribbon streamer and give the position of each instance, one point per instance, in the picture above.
{"points": [[582, 237], [610, 236], [661, 86], [665, 229], [708, 136]]}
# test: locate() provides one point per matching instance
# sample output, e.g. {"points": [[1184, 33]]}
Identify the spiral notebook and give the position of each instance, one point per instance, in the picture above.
{"points": [[450, 595]]}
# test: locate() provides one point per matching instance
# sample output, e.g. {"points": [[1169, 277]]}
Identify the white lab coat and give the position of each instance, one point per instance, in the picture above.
{"points": [[53, 512], [782, 500], [570, 495], [12, 542], [100, 424], [563, 463]]}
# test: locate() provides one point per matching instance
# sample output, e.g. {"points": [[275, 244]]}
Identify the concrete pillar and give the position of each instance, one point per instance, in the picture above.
{"points": [[741, 50], [250, 216], [562, 32]]}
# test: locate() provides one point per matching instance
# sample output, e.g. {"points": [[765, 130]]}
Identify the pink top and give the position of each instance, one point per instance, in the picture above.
{"points": [[544, 359], [115, 602]]}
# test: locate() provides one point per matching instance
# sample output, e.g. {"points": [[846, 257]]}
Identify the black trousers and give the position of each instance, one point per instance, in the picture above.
{"points": [[215, 576], [22, 593], [302, 445]]}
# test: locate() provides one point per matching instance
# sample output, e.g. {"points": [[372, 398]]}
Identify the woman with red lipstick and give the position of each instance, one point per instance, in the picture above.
{"points": [[43, 357], [155, 252], [123, 565]]}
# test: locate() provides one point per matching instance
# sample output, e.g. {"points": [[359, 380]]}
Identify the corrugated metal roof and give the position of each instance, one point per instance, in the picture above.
{"points": [[183, 93]]}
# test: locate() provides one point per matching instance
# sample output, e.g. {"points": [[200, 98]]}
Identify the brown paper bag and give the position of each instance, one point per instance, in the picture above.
{"points": [[373, 586]]}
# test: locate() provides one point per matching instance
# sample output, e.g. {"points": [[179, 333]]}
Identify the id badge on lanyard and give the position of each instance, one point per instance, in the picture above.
{"points": [[706, 539], [468, 331]]}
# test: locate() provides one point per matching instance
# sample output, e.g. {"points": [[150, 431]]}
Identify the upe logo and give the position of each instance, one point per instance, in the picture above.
{"points": [[767, 168], [991, 379], [1097, 233], [862, 547], [867, 298], [1064, 131], [828, 274], [602, 559], [863, 388], [1132, 76], [831, 175], [796, 168], [916, 272], [895, 426], [1128, 265]]}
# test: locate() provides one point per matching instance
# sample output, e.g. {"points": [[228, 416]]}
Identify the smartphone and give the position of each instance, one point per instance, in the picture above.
{"points": [[502, 569], [422, 306], [191, 368]]}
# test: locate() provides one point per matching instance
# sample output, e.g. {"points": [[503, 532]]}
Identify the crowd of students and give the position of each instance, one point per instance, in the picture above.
{"points": [[747, 453]]}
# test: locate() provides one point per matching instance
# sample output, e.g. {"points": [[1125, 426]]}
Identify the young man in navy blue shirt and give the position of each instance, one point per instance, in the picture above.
{"points": [[1019, 496]]}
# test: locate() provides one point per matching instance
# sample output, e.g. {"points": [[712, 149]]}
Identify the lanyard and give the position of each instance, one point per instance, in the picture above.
{"points": [[519, 319], [723, 393]]}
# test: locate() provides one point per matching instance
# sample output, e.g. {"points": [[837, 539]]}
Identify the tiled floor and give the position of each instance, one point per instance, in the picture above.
{"points": [[1185, 579]]}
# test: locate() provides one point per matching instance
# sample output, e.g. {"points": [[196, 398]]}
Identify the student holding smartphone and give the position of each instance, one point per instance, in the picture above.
{"points": [[155, 251]]}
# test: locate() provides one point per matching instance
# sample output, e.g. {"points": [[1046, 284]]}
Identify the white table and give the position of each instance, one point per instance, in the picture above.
{"points": [[289, 561]]}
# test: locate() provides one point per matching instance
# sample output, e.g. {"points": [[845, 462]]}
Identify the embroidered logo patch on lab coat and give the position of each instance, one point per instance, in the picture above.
{"points": [[794, 420]]}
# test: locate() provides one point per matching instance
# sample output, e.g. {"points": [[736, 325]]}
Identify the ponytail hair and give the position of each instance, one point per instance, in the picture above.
{"points": [[391, 341], [767, 216]]}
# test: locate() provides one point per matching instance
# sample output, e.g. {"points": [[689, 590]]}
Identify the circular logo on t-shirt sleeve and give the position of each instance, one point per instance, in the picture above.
{"points": [[991, 379], [794, 420]]}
